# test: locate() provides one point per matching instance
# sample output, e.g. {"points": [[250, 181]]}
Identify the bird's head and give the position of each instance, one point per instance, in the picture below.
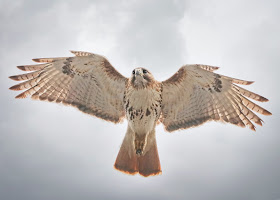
{"points": [[141, 78]]}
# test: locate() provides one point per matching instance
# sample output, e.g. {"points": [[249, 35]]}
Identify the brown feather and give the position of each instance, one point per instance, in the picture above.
{"points": [[31, 67], [209, 68], [25, 85], [249, 94], [126, 161], [48, 60], [238, 81], [81, 53], [43, 60], [246, 102], [149, 164], [26, 76]]}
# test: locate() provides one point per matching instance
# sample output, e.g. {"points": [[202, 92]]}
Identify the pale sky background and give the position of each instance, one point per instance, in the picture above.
{"points": [[48, 151]]}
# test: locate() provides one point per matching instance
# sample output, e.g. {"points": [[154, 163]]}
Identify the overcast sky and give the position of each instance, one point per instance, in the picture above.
{"points": [[48, 151]]}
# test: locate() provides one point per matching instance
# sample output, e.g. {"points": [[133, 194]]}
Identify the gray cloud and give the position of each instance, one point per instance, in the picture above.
{"points": [[48, 151]]}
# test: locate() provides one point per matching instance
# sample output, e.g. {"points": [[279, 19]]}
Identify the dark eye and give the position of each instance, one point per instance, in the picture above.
{"points": [[145, 71], [133, 72]]}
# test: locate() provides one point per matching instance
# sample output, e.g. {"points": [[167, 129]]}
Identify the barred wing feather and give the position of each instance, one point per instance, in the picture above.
{"points": [[195, 95], [87, 81]]}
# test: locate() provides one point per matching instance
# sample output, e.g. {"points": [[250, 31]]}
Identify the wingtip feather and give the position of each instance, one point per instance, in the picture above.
{"points": [[259, 122], [81, 53], [263, 99], [266, 112], [15, 78], [36, 60], [216, 68], [253, 128], [15, 87], [43, 60], [250, 82], [21, 68], [21, 96]]}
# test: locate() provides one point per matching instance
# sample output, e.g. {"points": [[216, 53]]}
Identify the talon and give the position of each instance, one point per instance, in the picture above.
{"points": [[139, 146], [139, 152]]}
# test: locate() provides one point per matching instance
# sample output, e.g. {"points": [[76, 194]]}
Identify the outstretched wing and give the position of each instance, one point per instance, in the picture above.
{"points": [[195, 95], [86, 81]]}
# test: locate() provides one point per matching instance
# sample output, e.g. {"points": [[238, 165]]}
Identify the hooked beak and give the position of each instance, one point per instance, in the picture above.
{"points": [[138, 72]]}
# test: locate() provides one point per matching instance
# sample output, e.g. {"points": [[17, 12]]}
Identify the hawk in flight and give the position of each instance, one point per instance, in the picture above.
{"points": [[189, 98]]}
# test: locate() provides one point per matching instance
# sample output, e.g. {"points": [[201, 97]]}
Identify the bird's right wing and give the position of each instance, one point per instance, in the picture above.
{"points": [[86, 81], [195, 95]]}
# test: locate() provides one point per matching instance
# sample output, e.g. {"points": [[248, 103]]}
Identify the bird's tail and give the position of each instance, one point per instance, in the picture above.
{"points": [[146, 165]]}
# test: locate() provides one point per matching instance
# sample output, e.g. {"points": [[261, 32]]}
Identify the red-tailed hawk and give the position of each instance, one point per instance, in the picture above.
{"points": [[191, 97]]}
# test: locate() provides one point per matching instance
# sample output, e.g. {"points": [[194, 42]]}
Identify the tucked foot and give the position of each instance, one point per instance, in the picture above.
{"points": [[139, 152], [139, 146]]}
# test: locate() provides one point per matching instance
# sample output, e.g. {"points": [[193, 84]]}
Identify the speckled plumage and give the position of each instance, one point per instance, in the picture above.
{"points": [[191, 97]]}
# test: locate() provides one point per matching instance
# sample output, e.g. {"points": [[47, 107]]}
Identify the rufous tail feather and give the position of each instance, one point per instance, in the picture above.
{"points": [[146, 165]]}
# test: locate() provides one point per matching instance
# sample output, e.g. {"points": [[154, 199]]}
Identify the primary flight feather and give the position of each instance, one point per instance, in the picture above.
{"points": [[191, 97]]}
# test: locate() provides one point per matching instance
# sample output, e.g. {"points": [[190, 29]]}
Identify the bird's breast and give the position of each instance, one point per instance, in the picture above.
{"points": [[143, 108]]}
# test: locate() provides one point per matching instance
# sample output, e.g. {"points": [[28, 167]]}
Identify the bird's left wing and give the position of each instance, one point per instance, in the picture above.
{"points": [[195, 95], [87, 81]]}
